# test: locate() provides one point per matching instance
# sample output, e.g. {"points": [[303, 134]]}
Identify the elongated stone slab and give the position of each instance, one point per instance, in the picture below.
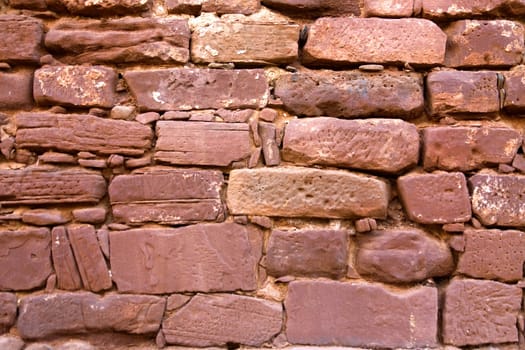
{"points": [[66, 270], [315, 8]]}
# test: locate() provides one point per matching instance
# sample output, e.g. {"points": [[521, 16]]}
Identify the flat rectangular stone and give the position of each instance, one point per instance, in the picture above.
{"points": [[220, 7], [315, 8], [347, 40], [16, 90], [124, 40], [372, 144], [361, 314], [50, 185], [197, 258], [191, 7], [21, 39], [167, 196], [66, 270], [514, 87], [186, 89], [198, 143], [80, 132], [297, 192]]}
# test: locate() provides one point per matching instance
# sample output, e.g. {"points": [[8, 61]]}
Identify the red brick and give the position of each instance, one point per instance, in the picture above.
{"points": [[17, 90], [68, 277], [480, 312], [310, 253], [345, 41], [25, 257], [338, 313], [351, 94], [448, 9], [223, 319], [462, 93], [8, 308], [198, 258], [187, 89], [315, 8], [388, 8], [21, 39], [245, 7], [105, 8], [437, 198], [467, 148], [514, 87], [473, 43], [384, 145]]}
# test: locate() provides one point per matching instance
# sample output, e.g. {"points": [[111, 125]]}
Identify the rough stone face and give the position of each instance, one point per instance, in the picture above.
{"points": [[21, 39], [222, 41], [480, 312], [245, 7], [7, 311], [203, 257], [447, 9], [80, 132], [224, 318], [351, 94], [66, 313], [50, 185], [297, 192], [315, 8], [17, 89], [372, 144], [44, 217], [192, 7], [25, 257], [105, 7], [198, 143], [473, 43], [403, 255], [498, 199], [438, 198], [467, 148], [349, 40], [408, 318], [9, 342], [389, 8], [311, 253], [68, 277], [125, 40], [514, 87], [90, 215], [90, 261], [460, 92], [167, 196], [267, 133], [187, 89]]}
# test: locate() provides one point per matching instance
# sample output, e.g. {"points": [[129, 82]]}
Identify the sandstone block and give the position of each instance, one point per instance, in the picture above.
{"points": [[245, 7], [90, 215], [296, 192], [315, 8], [408, 317], [44, 217], [271, 152], [66, 270], [223, 318], [514, 87], [203, 257], [16, 90], [381, 145], [388, 8], [448, 9], [8, 309], [191, 7], [104, 7], [21, 39]]}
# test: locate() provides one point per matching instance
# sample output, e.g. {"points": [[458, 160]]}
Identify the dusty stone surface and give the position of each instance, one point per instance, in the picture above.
{"points": [[25, 258], [69, 313], [389, 8], [480, 312], [17, 89], [66, 270], [351, 94], [225, 319], [296, 192], [514, 87], [408, 317], [437, 198], [21, 39], [8, 310], [186, 89], [198, 143], [44, 217], [402, 255], [449, 9], [167, 196], [315, 8], [384, 145], [125, 40], [498, 199], [310, 253], [203, 257], [468, 148]]}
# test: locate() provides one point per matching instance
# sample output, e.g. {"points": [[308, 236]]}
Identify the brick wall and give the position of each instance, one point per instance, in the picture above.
{"points": [[271, 173]]}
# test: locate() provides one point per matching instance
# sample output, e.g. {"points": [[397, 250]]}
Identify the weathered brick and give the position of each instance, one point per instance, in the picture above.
{"points": [[480, 312], [167, 196], [462, 93], [25, 257], [198, 258], [45, 217], [192, 7], [514, 87], [437, 198], [186, 89], [312, 253], [388, 8], [498, 199], [95, 215], [8, 309], [351, 94], [21, 39], [232, 319], [408, 317], [402, 255], [79, 86], [79, 132], [315, 8], [125, 40], [47, 315], [466, 148], [16, 90], [66, 270], [245, 7], [198, 143], [223, 41], [447, 9], [296, 192], [474, 43], [37, 5], [373, 144], [346, 40], [105, 7]]}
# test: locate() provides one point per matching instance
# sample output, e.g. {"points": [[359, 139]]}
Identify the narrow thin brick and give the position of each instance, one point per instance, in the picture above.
{"points": [[245, 7], [315, 8]]}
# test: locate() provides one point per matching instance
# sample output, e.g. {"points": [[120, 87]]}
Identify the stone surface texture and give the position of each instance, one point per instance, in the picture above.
{"points": [[21, 39]]}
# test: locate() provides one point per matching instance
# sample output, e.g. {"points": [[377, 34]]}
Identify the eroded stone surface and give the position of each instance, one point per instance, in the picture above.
{"points": [[21, 39], [315, 8], [245, 7], [44, 217], [8, 309], [514, 87], [104, 7], [389, 8], [66, 270], [192, 7], [16, 89], [447, 9]]}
